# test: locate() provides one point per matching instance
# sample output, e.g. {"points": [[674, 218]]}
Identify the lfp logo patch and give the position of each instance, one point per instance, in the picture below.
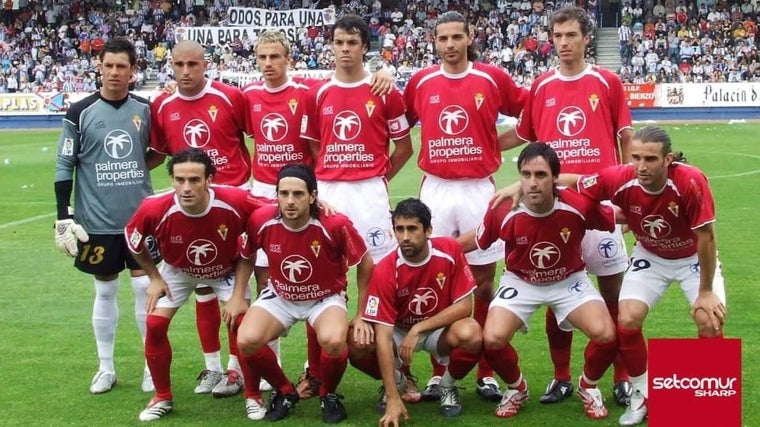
{"points": [[695, 382]]}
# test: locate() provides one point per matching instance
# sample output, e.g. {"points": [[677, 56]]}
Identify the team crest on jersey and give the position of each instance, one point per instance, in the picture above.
{"points": [[67, 149], [440, 278], [346, 125], [544, 255], [201, 252], [673, 208], [296, 269], [135, 238], [594, 101], [315, 248], [222, 230], [196, 133], [479, 100], [137, 121], [423, 301], [571, 121], [274, 127], [370, 107], [373, 303], [565, 234], [655, 226], [293, 104], [453, 120], [212, 110]]}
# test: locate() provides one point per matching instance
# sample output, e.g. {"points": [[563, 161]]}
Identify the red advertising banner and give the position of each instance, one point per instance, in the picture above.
{"points": [[640, 96]]}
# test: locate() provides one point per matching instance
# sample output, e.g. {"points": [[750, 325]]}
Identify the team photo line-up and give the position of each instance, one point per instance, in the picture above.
{"points": [[312, 201]]}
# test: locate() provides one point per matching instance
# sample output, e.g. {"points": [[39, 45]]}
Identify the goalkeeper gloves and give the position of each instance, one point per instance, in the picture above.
{"points": [[67, 232]]}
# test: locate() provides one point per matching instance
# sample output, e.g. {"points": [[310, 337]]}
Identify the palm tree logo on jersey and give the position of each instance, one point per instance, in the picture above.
{"points": [[296, 269], [423, 301], [346, 125], [274, 127], [118, 144], [544, 255], [453, 120], [656, 226], [571, 121], [375, 236], [608, 248], [201, 252], [196, 133]]}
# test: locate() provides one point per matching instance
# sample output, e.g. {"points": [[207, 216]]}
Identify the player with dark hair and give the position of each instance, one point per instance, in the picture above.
{"points": [[196, 227], [458, 103], [581, 111], [104, 142], [310, 254], [544, 266], [670, 209], [207, 114], [419, 298]]}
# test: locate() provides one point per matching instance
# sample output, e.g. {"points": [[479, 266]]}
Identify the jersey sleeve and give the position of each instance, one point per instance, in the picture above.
{"points": [[600, 186], [68, 148], [513, 97], [381, 295], [139, 227], [398, 126], [599, 216], [158, 140], [352, 242], [525, 126], [621, 114], [309, 121], [700, 206], [490, 229], [412, 116], [463, 280]]}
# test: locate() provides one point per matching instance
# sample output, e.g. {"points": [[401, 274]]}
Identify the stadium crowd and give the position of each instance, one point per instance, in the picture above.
{"points": [[50, 45], [704, 41]]}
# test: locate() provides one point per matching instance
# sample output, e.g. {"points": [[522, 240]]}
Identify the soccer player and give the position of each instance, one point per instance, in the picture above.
{"points": [[274, 113], [104, 142], [196, 228], [210, 115], [419, 298], [349, 130], [311, 254], [458, 103], [670, 209], [580, 110], [545, 267]]}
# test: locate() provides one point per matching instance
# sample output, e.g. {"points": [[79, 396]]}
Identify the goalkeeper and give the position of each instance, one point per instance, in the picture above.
{"points": [[102, 159]]}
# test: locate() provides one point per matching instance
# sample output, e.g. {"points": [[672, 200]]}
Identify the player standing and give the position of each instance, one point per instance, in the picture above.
{"points": [[104, 141], [580, 110], [458, 103], [209, 115]]}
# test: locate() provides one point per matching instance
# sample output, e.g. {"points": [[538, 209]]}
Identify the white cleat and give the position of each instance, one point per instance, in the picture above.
{"points": [[264, 385], [156, 409], [635, 412], [207, 380], [255, 409], [102, 382]]}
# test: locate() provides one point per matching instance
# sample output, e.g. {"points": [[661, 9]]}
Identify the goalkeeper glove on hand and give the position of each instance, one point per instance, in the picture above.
{"points": [[67, 232]]}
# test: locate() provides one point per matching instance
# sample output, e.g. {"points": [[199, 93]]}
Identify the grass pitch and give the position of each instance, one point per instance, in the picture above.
{"points": [[48, 352]]}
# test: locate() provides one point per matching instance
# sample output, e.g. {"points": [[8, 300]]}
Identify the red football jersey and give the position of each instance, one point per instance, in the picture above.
{"points": [[545, 248], [662, 222], [353, 128], [581, 117], [307, 264], [274, 121], [402, 294], [213, 120], [458, 113], [204, 246]]}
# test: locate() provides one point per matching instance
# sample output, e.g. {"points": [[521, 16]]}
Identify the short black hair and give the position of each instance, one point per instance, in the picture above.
{"points": [[305, 173], [539, 149], [571, 13], [353, 24], [119, 45], [413, 208], [192, 155]]}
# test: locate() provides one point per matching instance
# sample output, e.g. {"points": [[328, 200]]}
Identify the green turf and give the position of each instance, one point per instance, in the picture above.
{"points": [[48, 353]]}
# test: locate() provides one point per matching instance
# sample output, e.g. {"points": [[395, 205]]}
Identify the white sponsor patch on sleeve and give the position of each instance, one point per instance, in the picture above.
{"points": [[134, 239], [373, 303], [68, 147], [588, 181]]}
